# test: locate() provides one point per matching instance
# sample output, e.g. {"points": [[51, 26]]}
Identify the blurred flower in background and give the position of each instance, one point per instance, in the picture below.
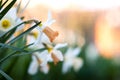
{"points": [[71, 60], [39, 60], [92, 53]]}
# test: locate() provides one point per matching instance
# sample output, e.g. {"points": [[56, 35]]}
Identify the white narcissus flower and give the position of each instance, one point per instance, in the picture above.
{"points": [[71, 60], [42, 36], [54, 54], [42, 33], [48, 55], [45, 29], [39, 60], [10, 20]]}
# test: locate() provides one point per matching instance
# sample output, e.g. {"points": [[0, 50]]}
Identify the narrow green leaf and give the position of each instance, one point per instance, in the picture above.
{"points": [[3, 4], [30, 52], [11, 47], [21, 35], [0, 3], [11, 54], [5, 75], [6, 57], [6, 9], [6, 36]]}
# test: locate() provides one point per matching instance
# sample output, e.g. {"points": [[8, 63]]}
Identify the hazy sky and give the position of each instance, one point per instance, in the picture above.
{"points": [[85, 4]]}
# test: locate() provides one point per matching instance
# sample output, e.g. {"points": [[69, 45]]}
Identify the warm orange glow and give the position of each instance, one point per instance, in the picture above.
{"points": [[107, 37]]}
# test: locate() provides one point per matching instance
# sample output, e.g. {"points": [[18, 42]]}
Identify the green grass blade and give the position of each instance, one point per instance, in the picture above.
{"points": [[0, 3], [3, 4], [6, 36], [11, 54], [25, 32], [30, 52], [11, 47], [5, 75], [4, 11]]}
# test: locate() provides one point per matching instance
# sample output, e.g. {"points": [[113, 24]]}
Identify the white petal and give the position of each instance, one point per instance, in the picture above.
{"points": [[44, 69], [45, 39], [72, 53], [58, 54], [49, 15], [43, 56], [39, 28], [91, 53], [76, 51], [49, 20], [69, 52], [33, 66], [38, 41], [50, 58], [30, 40], [66, 66], [12, 13], [21, 26], [60, 45], [77, 64]]}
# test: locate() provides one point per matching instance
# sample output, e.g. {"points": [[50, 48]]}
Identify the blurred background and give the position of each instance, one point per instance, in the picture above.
{"points": [[93, 25]]}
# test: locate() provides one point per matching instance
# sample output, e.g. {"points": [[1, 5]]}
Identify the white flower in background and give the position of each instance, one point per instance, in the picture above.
{"points": [[54, 54], [39, 61], [9, 20], [91, 53], [71, 60]]}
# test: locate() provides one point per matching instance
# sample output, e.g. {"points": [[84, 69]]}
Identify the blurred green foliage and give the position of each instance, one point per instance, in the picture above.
{"points": [[101, 69]]}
